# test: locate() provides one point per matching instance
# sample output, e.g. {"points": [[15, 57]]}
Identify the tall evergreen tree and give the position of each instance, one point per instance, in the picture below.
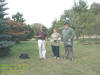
{"points": [[5, 42]]}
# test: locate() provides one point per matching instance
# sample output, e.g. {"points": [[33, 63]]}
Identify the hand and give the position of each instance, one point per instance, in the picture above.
{"points": [[37, 36], [69, 40], [59, 38]]}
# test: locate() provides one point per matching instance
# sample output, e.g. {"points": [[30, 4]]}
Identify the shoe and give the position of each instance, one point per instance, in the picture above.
{"points": [[72, 59], [58, 58], [55, 57]]}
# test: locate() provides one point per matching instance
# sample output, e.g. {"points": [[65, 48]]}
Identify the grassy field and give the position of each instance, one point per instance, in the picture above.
{"points": [[87, 60]]}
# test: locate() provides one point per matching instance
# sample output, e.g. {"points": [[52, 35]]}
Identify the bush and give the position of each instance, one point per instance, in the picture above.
{"points": [[5, 47]]}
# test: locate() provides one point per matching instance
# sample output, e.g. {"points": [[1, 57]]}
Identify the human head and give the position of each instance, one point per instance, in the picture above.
{"points": [[54, 30], [41, 28], [66, 25]]}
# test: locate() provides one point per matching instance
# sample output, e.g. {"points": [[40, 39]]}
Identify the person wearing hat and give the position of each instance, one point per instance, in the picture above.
{"points": [[67, 38]]}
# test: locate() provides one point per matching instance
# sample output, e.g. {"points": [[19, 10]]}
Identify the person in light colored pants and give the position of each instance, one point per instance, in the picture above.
{"points": [[42, 49], [42, 42]]}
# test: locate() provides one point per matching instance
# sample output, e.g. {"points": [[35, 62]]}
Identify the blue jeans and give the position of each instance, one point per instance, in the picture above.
{"points": [[55, 50]]}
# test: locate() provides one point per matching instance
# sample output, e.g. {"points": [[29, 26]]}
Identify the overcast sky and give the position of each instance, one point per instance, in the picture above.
{"points": [[41, 11]]}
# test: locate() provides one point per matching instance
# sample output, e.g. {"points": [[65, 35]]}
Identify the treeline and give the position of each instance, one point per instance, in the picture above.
{"points": [[85, 20]]}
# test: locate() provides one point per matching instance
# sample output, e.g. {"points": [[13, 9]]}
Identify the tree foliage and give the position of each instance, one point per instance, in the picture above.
{"points": [[5, 38], [30, 29], [83, 19], [17, 31], [18, 17]]}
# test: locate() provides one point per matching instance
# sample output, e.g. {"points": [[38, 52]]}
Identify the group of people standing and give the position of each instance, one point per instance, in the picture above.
{"points": [[66, 37]]}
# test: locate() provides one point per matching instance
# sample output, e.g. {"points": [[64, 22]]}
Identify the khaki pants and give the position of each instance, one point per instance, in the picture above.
{"points": [[42, 49], [68, 52]]}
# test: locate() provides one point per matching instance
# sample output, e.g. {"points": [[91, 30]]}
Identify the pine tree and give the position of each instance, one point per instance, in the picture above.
{"points": [[5, 39]]}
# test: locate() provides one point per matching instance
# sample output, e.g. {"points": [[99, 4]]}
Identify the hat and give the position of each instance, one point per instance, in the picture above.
{"points": [[66, 23]]}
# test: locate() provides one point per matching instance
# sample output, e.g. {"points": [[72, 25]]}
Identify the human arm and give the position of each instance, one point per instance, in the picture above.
{"points": [[72, 34], [37, 35]]}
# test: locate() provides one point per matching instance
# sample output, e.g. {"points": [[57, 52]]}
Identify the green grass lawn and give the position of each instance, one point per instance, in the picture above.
{"points": [[87, 60]]}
